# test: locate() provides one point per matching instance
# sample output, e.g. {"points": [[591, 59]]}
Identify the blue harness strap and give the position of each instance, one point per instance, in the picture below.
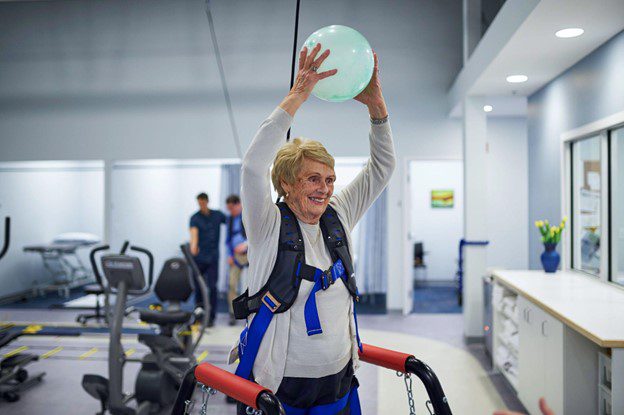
{"points": [[251, 337], [322, 281], [352, 398]]}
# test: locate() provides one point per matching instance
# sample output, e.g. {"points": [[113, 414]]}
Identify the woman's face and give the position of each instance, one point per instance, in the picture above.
{"points": [[309, 196]]}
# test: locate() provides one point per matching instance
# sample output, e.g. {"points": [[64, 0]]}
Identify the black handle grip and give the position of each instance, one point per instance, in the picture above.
{"points": [[124, 247], [96, 270], [7, 237], [150, 274], [434, 389]]}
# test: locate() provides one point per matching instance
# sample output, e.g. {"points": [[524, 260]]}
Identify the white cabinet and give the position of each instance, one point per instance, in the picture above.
{"points": [[540, 362]]}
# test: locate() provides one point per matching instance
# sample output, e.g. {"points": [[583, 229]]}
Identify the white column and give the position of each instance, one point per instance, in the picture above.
{"points": [[108, 205], [475, 220]]}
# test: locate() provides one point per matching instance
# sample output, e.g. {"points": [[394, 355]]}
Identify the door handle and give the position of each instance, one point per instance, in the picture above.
{"points": [[528, 316], [544, 328]]}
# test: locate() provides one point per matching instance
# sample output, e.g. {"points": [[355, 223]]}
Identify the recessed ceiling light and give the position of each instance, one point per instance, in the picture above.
{"points": [[488, 108], [570, 32], [516, 79]]}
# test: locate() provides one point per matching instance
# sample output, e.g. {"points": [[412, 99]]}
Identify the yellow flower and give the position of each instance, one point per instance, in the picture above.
{"points": [[539, 223], [565, 219], [546, 221]]}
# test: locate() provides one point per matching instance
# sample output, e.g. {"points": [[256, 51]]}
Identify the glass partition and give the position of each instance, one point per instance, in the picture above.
{"points": [[617, 206], [586, 205]]}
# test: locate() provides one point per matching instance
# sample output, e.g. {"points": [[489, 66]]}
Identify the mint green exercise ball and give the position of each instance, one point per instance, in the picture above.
{"points": [[351, 54]]}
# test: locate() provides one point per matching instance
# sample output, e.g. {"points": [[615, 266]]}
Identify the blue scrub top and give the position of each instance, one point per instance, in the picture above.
{"points": [[209, 232]]}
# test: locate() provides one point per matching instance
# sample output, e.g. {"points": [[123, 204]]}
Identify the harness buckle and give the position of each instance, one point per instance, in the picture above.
{"points": [[270, 301], [326, 279]]}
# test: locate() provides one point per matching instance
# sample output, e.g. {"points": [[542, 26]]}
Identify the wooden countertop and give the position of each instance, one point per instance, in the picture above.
{"points": [[593, 308]]}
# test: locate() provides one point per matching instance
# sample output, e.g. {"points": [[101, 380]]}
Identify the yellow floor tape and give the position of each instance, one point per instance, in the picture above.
{"points": [[88, 353], [51, 352], [16, 351], [130, 352], [202, 356]]}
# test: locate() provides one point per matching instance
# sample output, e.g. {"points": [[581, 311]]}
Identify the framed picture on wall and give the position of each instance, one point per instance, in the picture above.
{"points": [[442, 198]]}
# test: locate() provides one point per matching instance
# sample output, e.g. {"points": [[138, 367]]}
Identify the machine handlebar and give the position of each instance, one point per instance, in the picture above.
{"points": [[243, 390], [7, 236], [258, 397], [150, 274], [96, 270], [203, 289], [407, 363], [383, 357]]}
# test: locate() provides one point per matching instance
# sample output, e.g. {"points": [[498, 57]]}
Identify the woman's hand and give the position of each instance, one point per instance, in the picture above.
{"points": [[544, 408], [372, 96], [307, 77]]}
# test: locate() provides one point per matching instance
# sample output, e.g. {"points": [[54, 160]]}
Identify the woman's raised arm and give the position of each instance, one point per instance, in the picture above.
{"points": [[258, 211]]}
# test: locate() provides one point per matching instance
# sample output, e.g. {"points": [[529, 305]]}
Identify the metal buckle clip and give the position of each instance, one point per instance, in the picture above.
{"points": [[326, 279], [270, 301]]}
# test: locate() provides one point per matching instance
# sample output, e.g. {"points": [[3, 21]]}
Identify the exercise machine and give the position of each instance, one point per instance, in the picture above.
{"points": [[100, 312], [60, 258], [258, 398], [163, 369], [14, 377]]}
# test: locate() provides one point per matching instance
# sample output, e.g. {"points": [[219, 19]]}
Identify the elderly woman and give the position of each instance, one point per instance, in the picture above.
{"points": [[302, 341]]}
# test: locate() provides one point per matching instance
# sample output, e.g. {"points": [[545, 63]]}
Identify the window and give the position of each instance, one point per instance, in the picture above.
{"points": [[617, 206], [586, 205], [594, 200]]}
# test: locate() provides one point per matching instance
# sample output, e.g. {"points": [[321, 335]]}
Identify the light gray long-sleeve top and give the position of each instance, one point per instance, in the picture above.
{"points": [[286, 349]]}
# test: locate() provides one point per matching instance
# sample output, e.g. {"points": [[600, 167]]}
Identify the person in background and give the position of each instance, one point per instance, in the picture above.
{"points": [[544, 408], [236, 243], [205, 228]]}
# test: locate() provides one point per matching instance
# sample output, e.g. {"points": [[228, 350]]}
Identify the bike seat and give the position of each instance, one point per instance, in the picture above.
{"points": [[164, 317]]}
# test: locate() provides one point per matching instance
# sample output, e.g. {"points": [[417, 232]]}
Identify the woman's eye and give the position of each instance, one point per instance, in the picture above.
{"points": [[330, 181]]}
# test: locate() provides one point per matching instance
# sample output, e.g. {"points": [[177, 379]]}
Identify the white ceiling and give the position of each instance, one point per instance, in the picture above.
{"points": [[535, 51]]}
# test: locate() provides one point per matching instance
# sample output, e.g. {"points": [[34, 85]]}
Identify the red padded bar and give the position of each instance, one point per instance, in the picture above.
{"points": [[238, 388], [384, 357]]}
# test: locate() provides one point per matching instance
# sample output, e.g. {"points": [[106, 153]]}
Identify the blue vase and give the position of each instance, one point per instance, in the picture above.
{"points": [[550, 258]]}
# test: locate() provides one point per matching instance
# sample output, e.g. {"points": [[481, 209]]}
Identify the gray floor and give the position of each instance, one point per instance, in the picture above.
{"points": [[61, 392]]}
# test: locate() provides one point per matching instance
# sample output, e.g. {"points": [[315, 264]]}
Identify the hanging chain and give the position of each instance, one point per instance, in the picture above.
{"points": [[407, 378], [207, 392], [188, 406], [252, 411]]}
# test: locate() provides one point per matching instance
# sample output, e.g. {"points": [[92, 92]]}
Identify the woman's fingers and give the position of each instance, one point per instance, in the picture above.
{"points": [[302, 57], [321, 59], [326, 74], [312, 55], [376, 68]]}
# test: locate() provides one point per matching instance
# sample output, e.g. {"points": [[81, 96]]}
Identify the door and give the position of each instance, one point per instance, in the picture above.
{"points": [[435, 218]]}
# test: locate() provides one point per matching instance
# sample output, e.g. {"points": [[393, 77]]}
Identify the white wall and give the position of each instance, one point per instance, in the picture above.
{"points": [[154, 200], [440, 229], [507, 193], [43, 200]]}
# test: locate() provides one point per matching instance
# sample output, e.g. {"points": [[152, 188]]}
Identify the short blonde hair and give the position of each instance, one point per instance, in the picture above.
{"points": [[289, 159]]}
